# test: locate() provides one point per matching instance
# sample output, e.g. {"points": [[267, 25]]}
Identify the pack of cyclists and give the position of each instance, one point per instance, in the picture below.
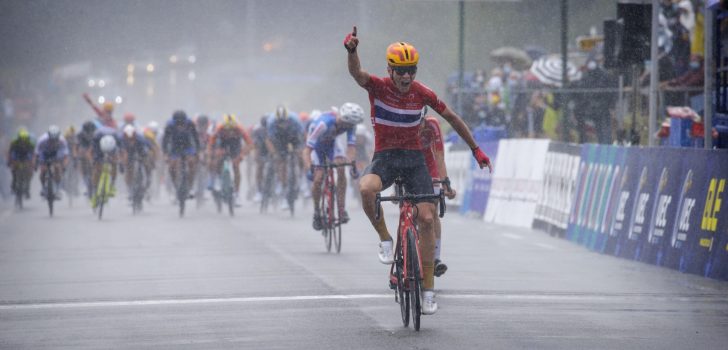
{"points": [[406, 143]]}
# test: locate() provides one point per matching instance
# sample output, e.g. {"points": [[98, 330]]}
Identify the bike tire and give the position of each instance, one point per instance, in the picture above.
{"points": [[402, 294], [18, 190], [292, 184], [267, 192], [182, 189], [415, 280], [49, 189], [325, 217], [101, 197], [337, 237]]}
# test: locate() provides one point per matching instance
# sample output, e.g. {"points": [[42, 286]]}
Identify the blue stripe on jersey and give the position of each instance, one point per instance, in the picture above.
{"points": [[397, 117]]}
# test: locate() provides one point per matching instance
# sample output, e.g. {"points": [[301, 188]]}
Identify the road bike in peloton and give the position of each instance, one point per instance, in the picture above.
{"points": [[406, 272], [103, 187], [138, 185], [50, 184], [330, 221], [224, 190]]}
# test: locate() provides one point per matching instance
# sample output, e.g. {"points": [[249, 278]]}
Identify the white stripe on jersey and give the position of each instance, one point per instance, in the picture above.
{"points": [[389, 108]]}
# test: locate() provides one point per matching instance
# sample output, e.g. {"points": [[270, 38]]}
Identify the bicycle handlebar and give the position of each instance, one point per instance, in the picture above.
{"points": [[333, 165], [409, 197]]}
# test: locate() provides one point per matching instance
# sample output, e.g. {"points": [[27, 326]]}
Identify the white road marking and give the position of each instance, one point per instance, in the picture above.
{"points": [[512, 236], [489, 296]]}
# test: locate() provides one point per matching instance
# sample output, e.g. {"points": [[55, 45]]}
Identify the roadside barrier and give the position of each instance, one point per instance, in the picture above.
{"points": [[662, 206]]}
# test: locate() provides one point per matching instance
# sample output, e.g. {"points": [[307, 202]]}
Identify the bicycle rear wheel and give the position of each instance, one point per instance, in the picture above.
{"points": [[415, 287]]}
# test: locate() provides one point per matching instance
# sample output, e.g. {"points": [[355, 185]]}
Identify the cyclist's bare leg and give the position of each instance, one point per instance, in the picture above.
{"points": [[369, 186], [236, 174], [192, 168], [282, 169], [259, 164], [128, 175], [426, 228], [174, 169], [57, 172], [318, 178]]}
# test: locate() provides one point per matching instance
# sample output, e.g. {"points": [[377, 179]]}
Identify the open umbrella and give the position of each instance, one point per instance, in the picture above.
{"points": [[516, 56], [547, 70]]}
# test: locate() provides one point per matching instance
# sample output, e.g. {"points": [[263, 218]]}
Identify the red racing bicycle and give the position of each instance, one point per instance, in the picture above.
{"points": [[406, 273], [330, 220]]}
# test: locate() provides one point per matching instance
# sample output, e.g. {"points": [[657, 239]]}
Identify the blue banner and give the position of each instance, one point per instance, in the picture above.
{"points": [[665, 197]]}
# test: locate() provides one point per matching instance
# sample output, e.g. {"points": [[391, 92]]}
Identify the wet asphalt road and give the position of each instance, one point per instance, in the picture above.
{"points": [[209, 281]]}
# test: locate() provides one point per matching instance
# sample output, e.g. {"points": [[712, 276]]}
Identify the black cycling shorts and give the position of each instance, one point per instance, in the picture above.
{"points": [[408, 164]]}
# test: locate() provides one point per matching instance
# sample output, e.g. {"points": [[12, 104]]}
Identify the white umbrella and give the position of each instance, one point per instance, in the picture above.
{"points": [[547, 70]]}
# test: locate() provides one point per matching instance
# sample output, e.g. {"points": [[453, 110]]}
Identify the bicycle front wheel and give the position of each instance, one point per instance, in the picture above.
{"points": [[326, 205], [402, 295], [415, 287], [50, 191]]}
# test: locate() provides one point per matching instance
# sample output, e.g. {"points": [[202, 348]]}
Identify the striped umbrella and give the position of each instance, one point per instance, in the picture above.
{"points": [[547, 70]]}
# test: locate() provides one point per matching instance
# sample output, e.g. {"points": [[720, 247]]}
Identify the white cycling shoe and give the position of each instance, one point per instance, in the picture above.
{"points": [[386, 252], [429, 305]]}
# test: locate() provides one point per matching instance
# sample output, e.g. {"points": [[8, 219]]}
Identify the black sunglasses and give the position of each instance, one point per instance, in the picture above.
{"points": [[412, 70]]}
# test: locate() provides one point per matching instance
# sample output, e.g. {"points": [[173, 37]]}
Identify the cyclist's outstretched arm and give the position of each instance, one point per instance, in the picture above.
{"points": [[350, 43], [462, 129]]}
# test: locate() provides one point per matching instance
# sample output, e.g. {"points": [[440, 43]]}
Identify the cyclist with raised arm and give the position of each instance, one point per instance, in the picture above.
{"points": [[20, 159], [51, 150], [321, 143], [180, 143], [284, 130], [396, 110], [135, 147], [434, 151], [227, 139]]}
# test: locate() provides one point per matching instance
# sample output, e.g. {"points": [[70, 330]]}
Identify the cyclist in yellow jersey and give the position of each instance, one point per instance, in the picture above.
{"points": [[396, 110]]}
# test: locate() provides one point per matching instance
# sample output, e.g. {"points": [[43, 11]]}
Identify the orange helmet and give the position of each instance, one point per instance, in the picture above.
{"points": [[108, 106], [402, 54]]}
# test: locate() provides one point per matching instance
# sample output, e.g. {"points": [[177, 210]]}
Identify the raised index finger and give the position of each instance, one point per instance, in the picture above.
{"points": [[353, 33]]}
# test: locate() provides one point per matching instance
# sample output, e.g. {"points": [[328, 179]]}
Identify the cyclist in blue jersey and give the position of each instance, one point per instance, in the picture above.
{"points": [[181, 143], [321, 143], [51, 150], [285, 134]]}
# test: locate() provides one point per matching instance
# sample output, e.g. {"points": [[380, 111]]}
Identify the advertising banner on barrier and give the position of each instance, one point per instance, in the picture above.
{"points": [[561, 167], [599, 172], [457, 161], [477, 191], [714, 221], [665, 195], [629, 183], [683, 250], [517, 182]]}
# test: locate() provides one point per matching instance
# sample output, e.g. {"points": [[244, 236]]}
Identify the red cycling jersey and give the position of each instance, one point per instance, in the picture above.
{"points": [[431, 140], [396, 116]]}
